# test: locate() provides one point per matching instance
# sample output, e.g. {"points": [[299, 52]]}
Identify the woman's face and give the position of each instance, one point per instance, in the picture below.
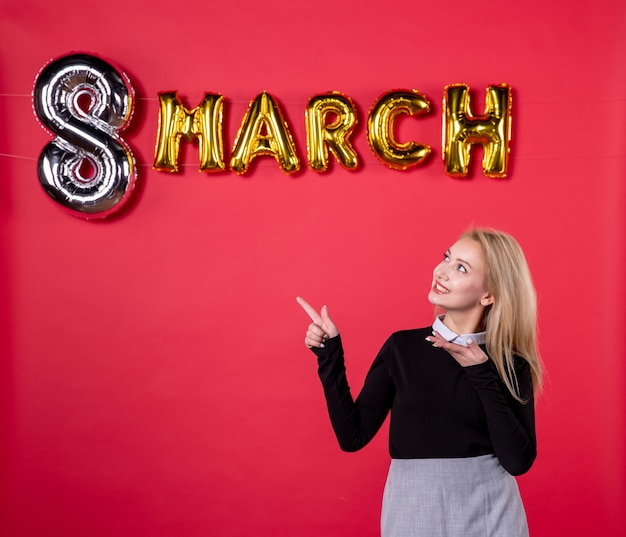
{"points": [[458, 281]]}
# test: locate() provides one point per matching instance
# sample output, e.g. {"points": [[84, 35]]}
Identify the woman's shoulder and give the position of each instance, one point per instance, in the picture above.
{"points": [[413, 332], [410, 335]]}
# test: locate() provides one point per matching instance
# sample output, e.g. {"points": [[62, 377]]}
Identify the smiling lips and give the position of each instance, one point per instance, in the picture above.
{"points": [[440, 289]]}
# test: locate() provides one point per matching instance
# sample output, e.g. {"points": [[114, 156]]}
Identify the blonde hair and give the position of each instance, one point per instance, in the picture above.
{"points": [[511, 321]]}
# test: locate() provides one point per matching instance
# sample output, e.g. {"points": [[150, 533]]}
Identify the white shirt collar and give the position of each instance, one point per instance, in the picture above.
{"points": [[449, 335]]}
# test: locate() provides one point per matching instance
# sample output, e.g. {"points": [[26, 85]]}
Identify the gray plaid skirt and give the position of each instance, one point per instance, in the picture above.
{"points": [[468, 497]]}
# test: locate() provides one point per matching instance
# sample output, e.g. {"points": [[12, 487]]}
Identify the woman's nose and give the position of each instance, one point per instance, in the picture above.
{"points": [[440, 272]]}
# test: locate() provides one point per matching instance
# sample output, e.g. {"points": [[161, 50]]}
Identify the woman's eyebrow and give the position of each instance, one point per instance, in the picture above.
{"points": [[449, 253]]}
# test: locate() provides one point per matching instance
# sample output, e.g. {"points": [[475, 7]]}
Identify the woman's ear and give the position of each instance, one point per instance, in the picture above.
{"points": [[487, 300]]}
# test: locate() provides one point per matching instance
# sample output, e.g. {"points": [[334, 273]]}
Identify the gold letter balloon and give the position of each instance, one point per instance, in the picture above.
{"points": [[203, 123], [330, 121], [264, 132], [461, 130], [380, 129]]}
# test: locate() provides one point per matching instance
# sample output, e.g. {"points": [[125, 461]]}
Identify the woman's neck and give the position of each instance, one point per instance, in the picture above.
{"points": [[463, 323]]}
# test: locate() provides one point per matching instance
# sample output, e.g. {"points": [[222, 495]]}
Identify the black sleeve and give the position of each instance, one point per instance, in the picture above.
{"points": [[511, 423], [355, 422]]}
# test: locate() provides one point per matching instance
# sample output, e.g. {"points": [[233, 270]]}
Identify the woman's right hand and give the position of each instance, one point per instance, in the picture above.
{"points": [[322, 327]]}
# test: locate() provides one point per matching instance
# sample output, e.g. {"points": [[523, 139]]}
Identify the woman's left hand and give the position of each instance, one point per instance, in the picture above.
{"points": [[466, 356]]}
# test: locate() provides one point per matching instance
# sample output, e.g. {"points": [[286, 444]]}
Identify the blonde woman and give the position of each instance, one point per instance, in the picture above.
{"points": [[460, 394]]}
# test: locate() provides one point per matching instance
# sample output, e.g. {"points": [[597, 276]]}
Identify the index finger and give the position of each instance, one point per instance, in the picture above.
{"points": [[310, 310]]}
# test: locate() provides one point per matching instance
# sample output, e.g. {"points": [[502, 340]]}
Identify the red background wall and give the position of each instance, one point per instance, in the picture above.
{"points": [[153, 379]]}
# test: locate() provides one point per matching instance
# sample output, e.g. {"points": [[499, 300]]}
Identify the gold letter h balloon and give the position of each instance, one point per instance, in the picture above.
{"points": [[461, 130]]}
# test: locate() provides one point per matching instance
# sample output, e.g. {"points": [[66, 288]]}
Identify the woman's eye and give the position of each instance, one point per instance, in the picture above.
{"points": [[446, 257], [462, 268]]}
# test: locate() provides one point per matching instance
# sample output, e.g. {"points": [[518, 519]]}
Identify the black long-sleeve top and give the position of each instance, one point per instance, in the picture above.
{"points": [[439, 409]]}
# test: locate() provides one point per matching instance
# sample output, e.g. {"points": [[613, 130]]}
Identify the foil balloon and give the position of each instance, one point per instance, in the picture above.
{"points": [[380, 129], [461, 130], [330, 121], [263, 131], [88, 169], [203, 123]]}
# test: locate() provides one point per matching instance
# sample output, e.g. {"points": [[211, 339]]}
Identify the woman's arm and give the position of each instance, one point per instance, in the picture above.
{"points": [[511, 423], [355, 422]]}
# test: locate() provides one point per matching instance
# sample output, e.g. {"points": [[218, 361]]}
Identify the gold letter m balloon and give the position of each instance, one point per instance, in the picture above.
{"points": [[461, 130]]}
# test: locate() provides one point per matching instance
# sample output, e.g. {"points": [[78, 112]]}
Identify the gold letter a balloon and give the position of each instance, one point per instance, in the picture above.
{"points": [[264, 132]]}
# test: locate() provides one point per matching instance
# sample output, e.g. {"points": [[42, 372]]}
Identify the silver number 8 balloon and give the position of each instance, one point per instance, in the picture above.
{"points": [[85, 101]]}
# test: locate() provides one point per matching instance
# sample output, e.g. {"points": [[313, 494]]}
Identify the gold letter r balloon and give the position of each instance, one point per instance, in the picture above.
{"points": [[324, 136]]}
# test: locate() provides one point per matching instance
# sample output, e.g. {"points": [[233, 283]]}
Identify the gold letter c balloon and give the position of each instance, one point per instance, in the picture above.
{"points": [[380, 129]]}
